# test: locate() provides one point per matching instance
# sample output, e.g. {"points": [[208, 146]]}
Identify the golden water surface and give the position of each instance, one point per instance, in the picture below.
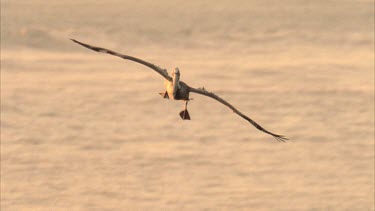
{"points": [[87, 131]]}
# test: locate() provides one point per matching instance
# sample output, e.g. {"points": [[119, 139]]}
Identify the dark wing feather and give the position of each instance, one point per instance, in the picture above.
{"points": [[202, 91], [161, 71]]}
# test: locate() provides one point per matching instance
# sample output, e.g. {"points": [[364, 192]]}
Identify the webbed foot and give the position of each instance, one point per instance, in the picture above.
{"points": [[184, 114], [164, 95]]}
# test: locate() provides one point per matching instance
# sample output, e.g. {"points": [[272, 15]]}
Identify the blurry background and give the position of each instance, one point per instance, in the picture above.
{"points": [[88, 131]]}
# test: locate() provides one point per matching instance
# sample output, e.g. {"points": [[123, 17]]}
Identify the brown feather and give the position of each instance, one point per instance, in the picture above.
{"points": [[202, 91]]}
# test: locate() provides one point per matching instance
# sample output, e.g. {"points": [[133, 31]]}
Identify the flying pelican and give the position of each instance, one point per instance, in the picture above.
{"points": [[178, 90]]}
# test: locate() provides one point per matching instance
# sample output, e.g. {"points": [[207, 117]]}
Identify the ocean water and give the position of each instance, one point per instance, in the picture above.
{"points": [[88, 131]]}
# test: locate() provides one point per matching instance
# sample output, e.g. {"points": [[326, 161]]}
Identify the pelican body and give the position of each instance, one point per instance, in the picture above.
{"points": [[178, 90]]}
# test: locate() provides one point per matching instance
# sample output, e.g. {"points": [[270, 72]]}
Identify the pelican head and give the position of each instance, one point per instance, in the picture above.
{"points": [[176, 80], [176, 73], [176, 76]]}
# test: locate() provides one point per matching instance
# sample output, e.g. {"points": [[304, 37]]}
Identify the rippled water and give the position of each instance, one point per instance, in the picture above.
{"points": [[87, 131]]}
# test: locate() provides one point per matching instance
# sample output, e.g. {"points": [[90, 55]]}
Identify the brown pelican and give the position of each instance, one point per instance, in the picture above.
{"points": [[178, 90]]}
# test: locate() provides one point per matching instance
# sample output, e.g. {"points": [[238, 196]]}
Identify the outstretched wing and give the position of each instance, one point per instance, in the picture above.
{"points": [[161, 71], [202, 91]]}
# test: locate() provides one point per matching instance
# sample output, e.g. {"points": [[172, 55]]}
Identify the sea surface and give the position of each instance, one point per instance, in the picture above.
{"points": [[87, 131]]}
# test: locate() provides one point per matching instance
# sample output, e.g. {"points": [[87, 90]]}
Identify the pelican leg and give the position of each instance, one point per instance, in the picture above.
{"points": [[184, 114], [164, 95]]}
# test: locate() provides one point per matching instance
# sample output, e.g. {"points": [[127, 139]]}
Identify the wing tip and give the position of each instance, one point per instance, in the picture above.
{"points": [[78, 42], [73, 40], [280, 138], [89, 46]]}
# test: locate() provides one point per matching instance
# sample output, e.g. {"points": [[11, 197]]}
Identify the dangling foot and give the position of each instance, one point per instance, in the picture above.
{"points": [[164, 95], [184, 114]]}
